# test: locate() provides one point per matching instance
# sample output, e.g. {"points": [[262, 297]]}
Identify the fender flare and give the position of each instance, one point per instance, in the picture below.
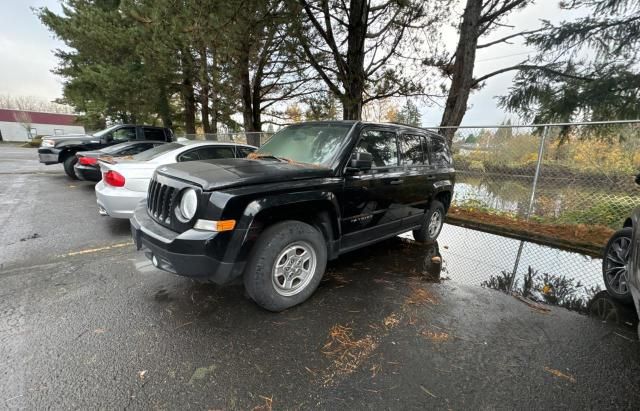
{"points": [[250, 232], [257, 206]]}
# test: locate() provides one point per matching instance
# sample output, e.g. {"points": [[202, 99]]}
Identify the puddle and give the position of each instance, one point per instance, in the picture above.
{"points": [[473, 257]]}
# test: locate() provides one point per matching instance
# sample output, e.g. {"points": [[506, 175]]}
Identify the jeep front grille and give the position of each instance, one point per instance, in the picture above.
{"points": [[161, 201]]}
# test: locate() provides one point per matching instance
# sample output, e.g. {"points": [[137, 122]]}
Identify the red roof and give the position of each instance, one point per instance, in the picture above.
{"points": [[38, 118]]}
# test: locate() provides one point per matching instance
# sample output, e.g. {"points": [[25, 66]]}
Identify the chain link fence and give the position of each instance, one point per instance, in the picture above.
{"points": [[538, 204], [251, 138]]}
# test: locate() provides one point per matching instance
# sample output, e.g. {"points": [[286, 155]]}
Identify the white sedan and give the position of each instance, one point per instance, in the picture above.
{"points": [[125, 183]]}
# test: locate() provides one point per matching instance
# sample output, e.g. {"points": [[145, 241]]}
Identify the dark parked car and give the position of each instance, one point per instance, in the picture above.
{"points": [[615, 262], [63, 149], [312, 192], [87, 167]]}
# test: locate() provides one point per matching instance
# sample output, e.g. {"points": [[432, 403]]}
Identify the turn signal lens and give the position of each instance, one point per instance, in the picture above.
{"points": [[113, 178], [210, 225]]}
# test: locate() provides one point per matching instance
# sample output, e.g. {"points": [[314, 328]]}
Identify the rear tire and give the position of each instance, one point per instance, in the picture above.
{"points": [[68, 164], [431, 224], [286, 265], [615, 265]]}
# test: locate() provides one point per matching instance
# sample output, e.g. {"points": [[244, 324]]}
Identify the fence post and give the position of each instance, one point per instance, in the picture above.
{"points": [[545, 133]]}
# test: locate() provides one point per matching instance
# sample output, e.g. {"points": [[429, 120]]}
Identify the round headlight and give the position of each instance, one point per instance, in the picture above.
{"points": [[189, 204]]}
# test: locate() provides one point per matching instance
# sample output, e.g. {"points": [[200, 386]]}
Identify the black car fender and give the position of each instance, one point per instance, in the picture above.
{"points": [[443, 191], [319, 208]]}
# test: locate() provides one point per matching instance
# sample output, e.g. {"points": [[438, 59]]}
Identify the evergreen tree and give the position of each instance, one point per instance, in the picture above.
{"points": [[410, 115], [586, 69]]}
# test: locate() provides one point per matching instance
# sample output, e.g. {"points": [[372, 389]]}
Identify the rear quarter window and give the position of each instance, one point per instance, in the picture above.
{"points": [[440, 153]]}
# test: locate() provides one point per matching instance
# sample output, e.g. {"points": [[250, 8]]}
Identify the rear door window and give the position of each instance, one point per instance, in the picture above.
{"points": [[381, 145], [154, 134], [212, 153], [412, 148]]}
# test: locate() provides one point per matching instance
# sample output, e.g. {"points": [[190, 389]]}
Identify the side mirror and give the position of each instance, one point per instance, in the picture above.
{"points": [[360, 161], [638, 179]]}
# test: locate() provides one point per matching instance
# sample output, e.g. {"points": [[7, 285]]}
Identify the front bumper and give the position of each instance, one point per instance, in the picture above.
{"points": [[117, 202], [189, 254], [49, 155], [87, 173]]}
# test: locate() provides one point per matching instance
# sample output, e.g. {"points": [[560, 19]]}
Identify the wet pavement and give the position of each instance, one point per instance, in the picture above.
{"points": [[86, 322]]}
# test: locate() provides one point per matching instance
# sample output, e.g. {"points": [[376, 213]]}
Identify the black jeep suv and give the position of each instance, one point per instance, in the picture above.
{"points": [[63, 149], [314, 191]]}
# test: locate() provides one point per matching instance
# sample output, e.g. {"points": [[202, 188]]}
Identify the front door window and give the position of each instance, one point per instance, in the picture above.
{"points": [[382, 147]]}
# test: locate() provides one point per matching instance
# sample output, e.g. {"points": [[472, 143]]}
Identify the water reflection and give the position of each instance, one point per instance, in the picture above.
{"points": [[554, 197], [472, 257]]}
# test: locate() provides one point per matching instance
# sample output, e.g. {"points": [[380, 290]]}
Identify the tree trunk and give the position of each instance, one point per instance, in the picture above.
{"points": [[462, 77], [188, 95], [163, 107], [214, 96], [204, 92], [250, 117], [355, 75]]}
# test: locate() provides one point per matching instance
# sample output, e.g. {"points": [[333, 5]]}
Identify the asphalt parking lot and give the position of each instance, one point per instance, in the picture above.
{"points": [[87, 322]]}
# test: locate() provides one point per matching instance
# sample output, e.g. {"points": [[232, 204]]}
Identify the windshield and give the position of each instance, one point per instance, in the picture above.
{"points": [[115, 148], [105, 131], [306, 143], [156, 151]]}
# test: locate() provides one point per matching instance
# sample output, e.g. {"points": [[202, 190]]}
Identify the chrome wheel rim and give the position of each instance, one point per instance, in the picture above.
{"points": [[434, 224], [294, 268], [617, 265]]}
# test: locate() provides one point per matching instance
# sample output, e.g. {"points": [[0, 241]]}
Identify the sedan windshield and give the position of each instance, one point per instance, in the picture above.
{"points": [[306, 143], [156, 151]]}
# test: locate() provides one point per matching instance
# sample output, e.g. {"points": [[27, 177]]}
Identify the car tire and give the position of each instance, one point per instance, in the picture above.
{"points": [[615, 265], [431, 224], [277, 275], [68, 164]]}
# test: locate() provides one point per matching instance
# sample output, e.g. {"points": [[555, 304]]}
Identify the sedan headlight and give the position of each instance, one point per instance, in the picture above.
{"points": [[47, 143], [189, 204]]}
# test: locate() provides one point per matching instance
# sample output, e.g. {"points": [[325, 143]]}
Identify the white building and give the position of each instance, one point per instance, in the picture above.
{"points": [[19, 125]]}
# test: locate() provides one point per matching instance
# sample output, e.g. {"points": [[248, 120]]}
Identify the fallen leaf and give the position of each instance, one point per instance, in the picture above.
{"points": [[560, 374]]}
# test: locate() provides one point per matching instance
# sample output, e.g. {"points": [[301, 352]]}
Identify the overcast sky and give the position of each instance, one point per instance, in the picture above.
{"points": [[26, 57]]}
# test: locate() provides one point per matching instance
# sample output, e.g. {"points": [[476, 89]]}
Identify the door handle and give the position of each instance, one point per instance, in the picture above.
{"points": [[396, 182], [431, 177]]}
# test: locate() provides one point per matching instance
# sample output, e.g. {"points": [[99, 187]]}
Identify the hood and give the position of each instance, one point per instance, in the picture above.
{"points": [[73, 139], [225, 173]]}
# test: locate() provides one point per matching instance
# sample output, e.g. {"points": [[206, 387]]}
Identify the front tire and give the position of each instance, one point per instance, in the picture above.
{"points": [[286, 265], [431, 224], [68, 164], [615, 265]]}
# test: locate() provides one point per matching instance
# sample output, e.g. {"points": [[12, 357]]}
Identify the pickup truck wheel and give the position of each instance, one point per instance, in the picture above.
{"points": [[431, 224], [69, 162], [286, 265]]}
